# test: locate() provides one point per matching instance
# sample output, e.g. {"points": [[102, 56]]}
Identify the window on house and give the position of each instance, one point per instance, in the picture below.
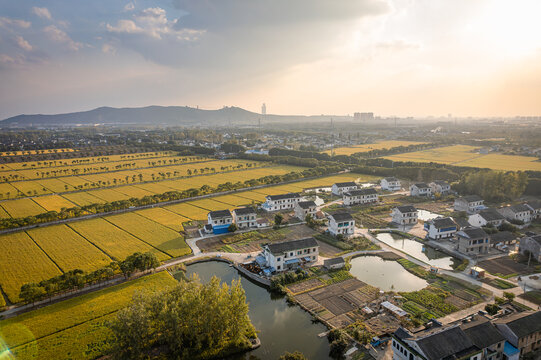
{"points": [[277, 259], [278, 267]]}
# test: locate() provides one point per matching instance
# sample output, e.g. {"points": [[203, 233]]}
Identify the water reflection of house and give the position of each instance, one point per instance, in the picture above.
{"points": [[289, 255]]}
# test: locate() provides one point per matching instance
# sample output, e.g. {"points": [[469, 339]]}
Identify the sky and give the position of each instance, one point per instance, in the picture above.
{"points": [[390, 57]]}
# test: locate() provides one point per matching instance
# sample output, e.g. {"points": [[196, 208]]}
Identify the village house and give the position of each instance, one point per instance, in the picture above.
{"points": [[404, 215], [469, 203], [220, 221], [473, 241], [334, 263], [245, 218], [473, 338], [420, 189], [440, 228], [340, 188], [531, 244], [280, 202], [391, 184], [518, 212], [486, 217], [290, 255], [440, 187], [535, 207], [522, 330], [303, 208], [341, 224], [360, 196], [502, 239]]}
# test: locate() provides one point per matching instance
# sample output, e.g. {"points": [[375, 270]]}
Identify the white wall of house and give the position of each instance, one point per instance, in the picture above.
{"points": [[345, 228], [301, 213], [277, 261], [390, 185], [282, 204], [245, 221], [404, 218], [340, 190], [219, 221], [360, 199], [415, 191], [435, 233]]}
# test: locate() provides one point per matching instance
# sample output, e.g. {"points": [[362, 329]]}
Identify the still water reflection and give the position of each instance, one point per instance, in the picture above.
{"points": [[384, 274], [418, 250], [281, 327]]}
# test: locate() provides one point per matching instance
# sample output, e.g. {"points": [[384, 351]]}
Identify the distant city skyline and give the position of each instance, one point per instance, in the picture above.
{"points": [[309, 57]]}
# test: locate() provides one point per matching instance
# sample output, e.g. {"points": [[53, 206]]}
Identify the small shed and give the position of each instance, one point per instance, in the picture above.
{"points": [[334, 263], [477, 272]]}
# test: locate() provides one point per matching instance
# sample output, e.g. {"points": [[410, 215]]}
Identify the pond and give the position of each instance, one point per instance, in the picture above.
{"points": [[281, 327], [384, 274], [426, 215], [418, 250]]}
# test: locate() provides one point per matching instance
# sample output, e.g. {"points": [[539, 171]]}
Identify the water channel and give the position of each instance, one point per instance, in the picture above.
{"points": [[384, 274], [418, 250], [281, 327]]}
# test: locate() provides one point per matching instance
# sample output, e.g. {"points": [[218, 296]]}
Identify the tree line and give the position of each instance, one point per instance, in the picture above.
{"points": [[74, 212], [78, 279], [189, 321]]}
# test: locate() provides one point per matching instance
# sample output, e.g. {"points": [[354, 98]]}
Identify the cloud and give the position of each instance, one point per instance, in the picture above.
{"points": [[108, 49], [7, 22], [62, 37], [397, 45], [23, 44], [153, 23], [129, 6], [42, 12]]}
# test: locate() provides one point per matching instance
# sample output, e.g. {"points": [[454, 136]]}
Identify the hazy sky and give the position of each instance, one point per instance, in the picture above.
{"points": [[392, 57]]}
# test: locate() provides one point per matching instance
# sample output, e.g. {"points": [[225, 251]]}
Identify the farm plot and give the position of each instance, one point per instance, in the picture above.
{"points": [[444, 155], [53, 202], [7, 191], [108, 195], [68, 249], [504, 162], [232, 200], [252, 195], [56, 185], [29, 188], [33, 152], [209, 204], [159, 236], [113, 241], [4, 214], [165, 217], [156, 188], [83, 198], [369, 147], [73, 328], [189, 211], [22, 208], [22, 261], [133, 192]]}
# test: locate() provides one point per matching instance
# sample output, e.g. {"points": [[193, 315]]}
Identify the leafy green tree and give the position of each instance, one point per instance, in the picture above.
{"points": [[278, 218], [32, 292], [491, 309], [297, 355], [232, 228], [509, 296]]}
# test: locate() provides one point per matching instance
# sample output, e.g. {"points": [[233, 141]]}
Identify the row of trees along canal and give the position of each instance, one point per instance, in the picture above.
{"points": [[78, 211], [77, 279]]}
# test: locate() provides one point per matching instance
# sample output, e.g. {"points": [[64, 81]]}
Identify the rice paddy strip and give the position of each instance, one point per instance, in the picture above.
{"points": [[30, 188], [159, 236], [4, 214], [113, 241], [251, 195], [64, 322], [53, 202], [232, 200], [83, 198], [34, 152], [7, 191], [68, 249], [164, 217], [209, 204], [189, 211], [22, 208], [56, 185], [108, 195], [389, 144], [22, 261], [133, 192]]}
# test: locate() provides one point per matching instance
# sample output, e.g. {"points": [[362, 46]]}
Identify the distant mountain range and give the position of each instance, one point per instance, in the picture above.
{"points": [[159, 116]]}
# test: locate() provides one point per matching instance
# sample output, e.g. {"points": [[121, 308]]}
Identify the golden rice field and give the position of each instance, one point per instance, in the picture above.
{"points": [[21, 262], [164, 217], [232, 200], [166, 240], [464, 155], [387, 144], [68, 249], [53, 202], [22, 207], [74, 328]]}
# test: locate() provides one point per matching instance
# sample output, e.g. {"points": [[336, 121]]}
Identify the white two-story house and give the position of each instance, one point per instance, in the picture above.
{"points": [[440, 187], [289, 255], [517, 212], [420, 189], [304, 208], [220, 221], [360, 196], [341, 223], [535, 207], [390, 183], [486, 217], [245, 218], [281, 202], [469, 203], [340, 188], [440, 228], [404, 215]]}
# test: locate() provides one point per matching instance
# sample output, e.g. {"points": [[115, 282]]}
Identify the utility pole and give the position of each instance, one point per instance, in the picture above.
{"points": [[332, 138]]}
